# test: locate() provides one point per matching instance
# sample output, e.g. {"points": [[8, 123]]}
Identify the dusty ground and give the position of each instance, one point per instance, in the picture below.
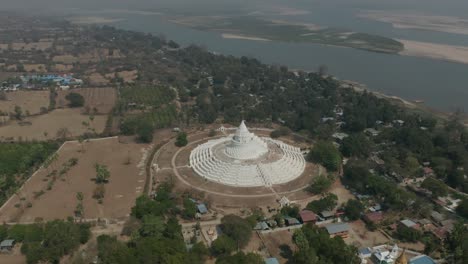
{"points": [[35, 67], [63, 67], [98, 79], [65, 59], [42, 45], [125, 184], [47, 126], [103, 99], [435, 51], [13, 257], [279, 244], [127, 76], [31, 101], [359, 236]]}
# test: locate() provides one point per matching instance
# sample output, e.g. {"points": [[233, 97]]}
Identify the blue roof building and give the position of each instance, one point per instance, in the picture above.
{"points": [[202, 208], [271, 261], [423, 259]]}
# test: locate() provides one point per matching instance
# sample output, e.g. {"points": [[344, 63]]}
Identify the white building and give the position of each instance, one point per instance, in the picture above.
{"points": [[246, 160]]}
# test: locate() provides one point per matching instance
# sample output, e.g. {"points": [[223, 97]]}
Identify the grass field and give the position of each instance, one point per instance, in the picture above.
{"points": [[125, 184], [48, 126], [30, 101]]}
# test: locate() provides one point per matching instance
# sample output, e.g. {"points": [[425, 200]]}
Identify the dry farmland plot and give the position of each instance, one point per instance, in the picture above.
{"points": [[31, 101], [279, 244], [125, 184], [47, 126], [103, 99]]}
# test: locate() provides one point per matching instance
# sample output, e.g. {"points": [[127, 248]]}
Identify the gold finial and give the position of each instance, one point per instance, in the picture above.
{"points": [[402, 258]]}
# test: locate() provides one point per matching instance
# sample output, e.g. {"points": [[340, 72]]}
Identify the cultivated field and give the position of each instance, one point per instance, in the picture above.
{"points": [[30, 101], [124, 161], [56, 124], [103, 99]]}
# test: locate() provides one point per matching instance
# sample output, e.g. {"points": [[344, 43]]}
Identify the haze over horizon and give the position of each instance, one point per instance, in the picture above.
{"points": [[446, 7]]}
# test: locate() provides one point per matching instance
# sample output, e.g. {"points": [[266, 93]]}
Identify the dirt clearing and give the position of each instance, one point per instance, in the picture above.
{"points": [[29, 101], [56, 124], [127, 178], [101, 99]]}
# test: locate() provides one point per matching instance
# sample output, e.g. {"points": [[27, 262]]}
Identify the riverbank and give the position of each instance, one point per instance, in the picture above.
{"points": [[435, 51], [412, 106], [405, 20]]}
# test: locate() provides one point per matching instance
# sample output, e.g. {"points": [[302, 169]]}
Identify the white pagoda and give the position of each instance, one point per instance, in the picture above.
{"points": [[245, 160]]}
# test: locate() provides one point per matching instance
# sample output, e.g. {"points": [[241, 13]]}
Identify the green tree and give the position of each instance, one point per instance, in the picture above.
{"points": [[356, 145], [153, 226], [75, 99], [241, 257], [190, 209], [237, 229], [102, 173], [145, 132], [112, 251], [327, 202], [320, 184], [326, 154], [462, 208], [223, 245], [353, 209], [181, 140], [438, 188], [18, 112]]}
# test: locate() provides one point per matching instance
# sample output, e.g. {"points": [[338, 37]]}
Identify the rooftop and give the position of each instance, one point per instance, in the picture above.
{"points": [[423, 259], [408, 223], [7, 243], [271, 261], [308, 216], [337, 228]]}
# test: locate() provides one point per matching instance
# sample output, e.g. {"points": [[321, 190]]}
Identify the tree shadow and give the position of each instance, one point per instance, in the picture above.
{"points": [[286, 251]]}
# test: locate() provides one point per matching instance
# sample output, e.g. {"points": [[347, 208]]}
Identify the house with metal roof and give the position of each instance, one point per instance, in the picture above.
{"points": [[422, 259], [409, 223], [201, 207], [338, 229], [308, 216], [261, 226], [291, 221], [7, 245], [271, 261]]}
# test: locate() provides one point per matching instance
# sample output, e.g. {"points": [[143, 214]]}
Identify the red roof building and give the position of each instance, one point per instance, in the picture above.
{"points": [[308, 216], [374, 217]]}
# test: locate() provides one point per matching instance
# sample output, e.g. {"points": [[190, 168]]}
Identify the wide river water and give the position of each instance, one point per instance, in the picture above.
{"points": [[441, 85]]}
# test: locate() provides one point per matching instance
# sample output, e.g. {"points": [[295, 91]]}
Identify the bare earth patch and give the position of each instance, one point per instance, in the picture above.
{"points": [[47, 126], [31, 101], [103, 99], [125, 184]]}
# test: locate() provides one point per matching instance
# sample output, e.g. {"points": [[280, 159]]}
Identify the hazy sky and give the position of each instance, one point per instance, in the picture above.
{"points": [[447, 7]]}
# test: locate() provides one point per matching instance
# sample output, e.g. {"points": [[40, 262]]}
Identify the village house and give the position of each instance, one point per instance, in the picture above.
{"points": [[373, 217], [338, 229], [308, 216], [409, 223], [7, 245]]}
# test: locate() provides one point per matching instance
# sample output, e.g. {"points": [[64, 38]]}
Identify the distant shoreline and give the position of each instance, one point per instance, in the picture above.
{"points": [[444, 52]]}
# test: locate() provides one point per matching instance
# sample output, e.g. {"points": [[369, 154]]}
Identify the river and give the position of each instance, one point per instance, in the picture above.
{"points": [[442, 85]]}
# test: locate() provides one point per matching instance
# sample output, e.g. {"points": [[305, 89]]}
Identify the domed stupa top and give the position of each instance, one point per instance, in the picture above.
{"points": [[402, 258], [245, 145]]}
